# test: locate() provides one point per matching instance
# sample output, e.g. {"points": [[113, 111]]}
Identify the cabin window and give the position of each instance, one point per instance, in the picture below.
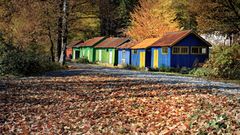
{"points": [[176, 50], [184, 50], [164, 50], [204, 50], [134, 51], [195, 50], [180, 50], [107, 50], [199, 50]]}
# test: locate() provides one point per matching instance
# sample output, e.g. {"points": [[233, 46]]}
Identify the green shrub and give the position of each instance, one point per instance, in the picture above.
{"points": [[184, 70], [27, 61], [130, 67], [202, 72], [154, 69], [168, 69], [83, 60], [164, 69], [224, 62], [176, 70]]}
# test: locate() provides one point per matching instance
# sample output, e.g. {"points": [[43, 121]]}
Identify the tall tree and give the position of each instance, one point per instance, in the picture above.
{"points": [[186, 19], [49, 24], [25, 21], [64, 30], [115, 16], [221, 16], [20, 21], [152, 18]]}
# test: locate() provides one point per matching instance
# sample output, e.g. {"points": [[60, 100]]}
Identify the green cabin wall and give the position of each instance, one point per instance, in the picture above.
{"points": [[105, 56], [88, 52]]}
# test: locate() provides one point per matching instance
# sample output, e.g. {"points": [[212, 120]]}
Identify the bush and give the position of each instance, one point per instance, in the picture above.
{"points": [[202, 72], [224, 62], [182, 70], [164, 69], [185, 70], [83, 60], [130, 67], [27, 61], [176, 70], [154, 69]]}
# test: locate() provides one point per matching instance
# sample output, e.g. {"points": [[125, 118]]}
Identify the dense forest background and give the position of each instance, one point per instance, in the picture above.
{"points": [[47, 26]]}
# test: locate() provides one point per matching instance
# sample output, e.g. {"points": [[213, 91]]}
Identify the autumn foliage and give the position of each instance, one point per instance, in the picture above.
{"points": [[152, 18], [221, 16]]}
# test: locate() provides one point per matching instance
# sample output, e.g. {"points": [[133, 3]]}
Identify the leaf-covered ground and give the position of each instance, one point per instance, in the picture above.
{"points": [[106, 104]]}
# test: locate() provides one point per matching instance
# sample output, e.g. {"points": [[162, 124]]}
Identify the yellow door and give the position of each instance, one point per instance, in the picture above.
{"points": [[142, 59], [155, 62]]}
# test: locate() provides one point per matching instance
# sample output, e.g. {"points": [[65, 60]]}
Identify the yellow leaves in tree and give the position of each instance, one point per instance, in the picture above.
{"points": [[152, 18]]}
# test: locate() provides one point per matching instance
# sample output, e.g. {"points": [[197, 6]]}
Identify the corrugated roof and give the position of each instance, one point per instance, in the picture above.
{"points": [[92, 42], [127, 45], [74, 43], [171, 38], [112, 42], [145, 43]]}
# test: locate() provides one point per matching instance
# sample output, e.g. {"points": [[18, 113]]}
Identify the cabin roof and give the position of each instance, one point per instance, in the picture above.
{"points": [[172, 38], [127, 45], [112, 42], [91, 42], [74, 43], [145, 43]]}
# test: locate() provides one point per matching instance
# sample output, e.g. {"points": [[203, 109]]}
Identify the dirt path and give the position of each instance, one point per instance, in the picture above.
{"points": [[190, 82]]}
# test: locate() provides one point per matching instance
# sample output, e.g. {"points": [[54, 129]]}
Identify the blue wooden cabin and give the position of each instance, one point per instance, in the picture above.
{"points": [[141, 53], [179, 49], [124, 53]]}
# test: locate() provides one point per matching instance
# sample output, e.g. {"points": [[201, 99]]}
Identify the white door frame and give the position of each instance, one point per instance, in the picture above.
{"points": [[110, 56], [100, 55]]}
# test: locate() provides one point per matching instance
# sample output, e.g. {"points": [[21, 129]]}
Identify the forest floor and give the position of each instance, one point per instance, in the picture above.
{"points": [[91, 99]]}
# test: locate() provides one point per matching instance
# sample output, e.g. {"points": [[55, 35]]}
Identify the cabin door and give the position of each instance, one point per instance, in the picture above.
{"points": [[77, 54], [142, 59], [110, 57], [155, 59], [88, 54], [83, 53]]}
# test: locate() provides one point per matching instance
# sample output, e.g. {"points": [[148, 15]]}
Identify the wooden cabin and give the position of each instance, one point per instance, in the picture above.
{"points": [[179, 49], [124, 53], [141, 53], [87, 49], [106, 51]]}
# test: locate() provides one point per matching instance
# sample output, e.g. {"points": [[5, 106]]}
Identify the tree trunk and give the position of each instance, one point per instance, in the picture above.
{"points": [[59, 38], [64, 32], [59, 30], [52, 44]]}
